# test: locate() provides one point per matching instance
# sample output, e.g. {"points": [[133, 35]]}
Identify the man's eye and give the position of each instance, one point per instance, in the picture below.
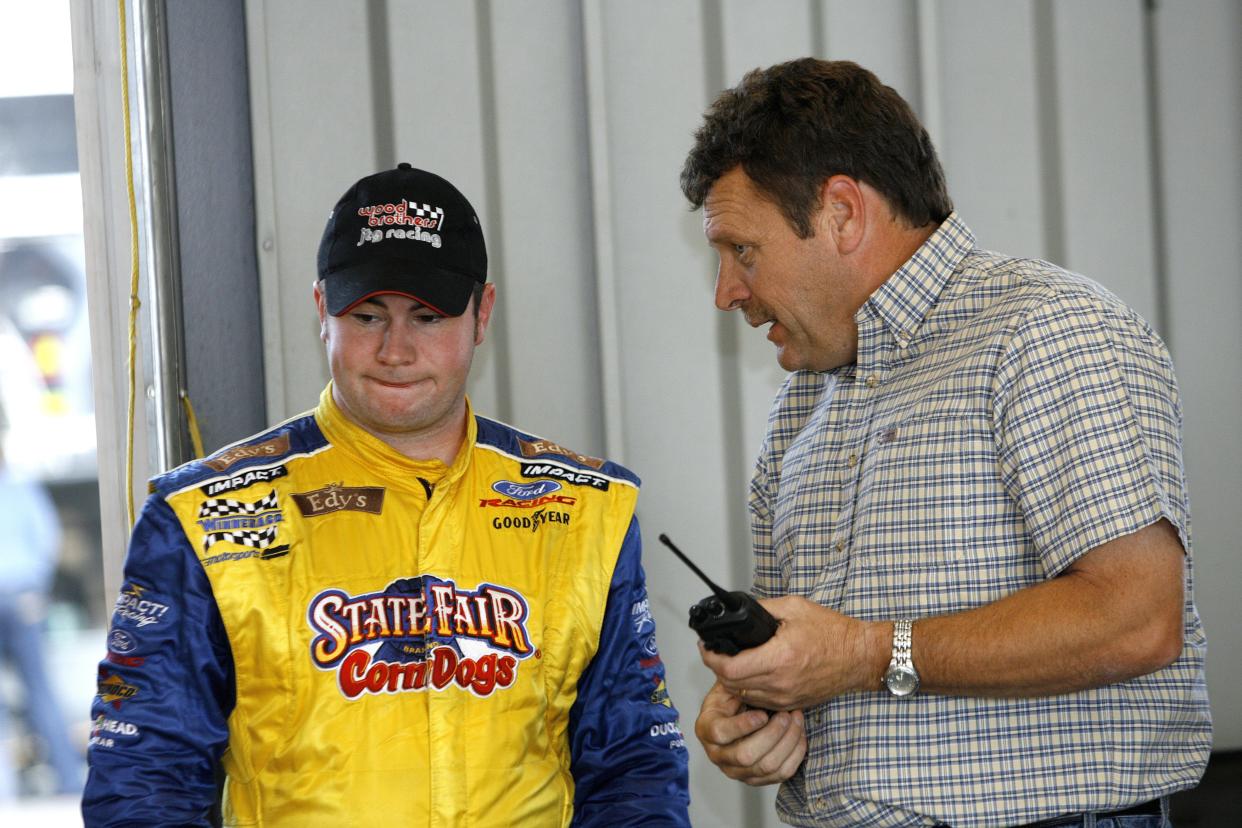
{"points": [[428, 318], [743, 251], [365, 318]]}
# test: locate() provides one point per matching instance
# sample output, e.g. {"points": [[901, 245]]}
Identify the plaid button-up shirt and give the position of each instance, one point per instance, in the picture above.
{"points": [[1002, 418]]}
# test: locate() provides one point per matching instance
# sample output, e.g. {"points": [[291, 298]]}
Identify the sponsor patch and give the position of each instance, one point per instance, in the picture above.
{"points": [[510, 503], [132, 606], [525, 491], [403, 213], [538, 448], [337, 498], [105, 732], [640, 616], [403, 219], [660, 695], [532, 522], [261, 554], [662, 729], [113, 690], [241, 481], [420, 634], [224, 460], [120, 641], [571, 476], [245, 523], [124, 660]]}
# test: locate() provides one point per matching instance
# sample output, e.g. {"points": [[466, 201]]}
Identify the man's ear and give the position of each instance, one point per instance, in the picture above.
{"points": [[487, 301], [323, 311], [843, 215]]}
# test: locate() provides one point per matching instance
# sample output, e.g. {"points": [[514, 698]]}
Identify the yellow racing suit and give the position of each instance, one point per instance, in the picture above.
{"points": [[363, 639]]}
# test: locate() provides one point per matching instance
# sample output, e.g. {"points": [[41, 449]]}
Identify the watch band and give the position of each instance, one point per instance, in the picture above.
{"points": [[901, 642], [901, 679]]}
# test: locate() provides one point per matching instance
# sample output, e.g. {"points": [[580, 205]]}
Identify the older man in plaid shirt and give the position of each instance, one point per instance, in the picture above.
{"points": [[969, 511]]}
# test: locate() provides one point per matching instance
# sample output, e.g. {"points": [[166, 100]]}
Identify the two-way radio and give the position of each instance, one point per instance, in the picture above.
{"points": [[728, 622]]}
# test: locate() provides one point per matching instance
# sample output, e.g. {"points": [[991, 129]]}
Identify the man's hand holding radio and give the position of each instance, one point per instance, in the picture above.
{"points": [[816, 654]]}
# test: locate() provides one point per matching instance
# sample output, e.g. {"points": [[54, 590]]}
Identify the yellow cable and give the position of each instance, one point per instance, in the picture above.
{"points": [[134, 303], [192, 421]]}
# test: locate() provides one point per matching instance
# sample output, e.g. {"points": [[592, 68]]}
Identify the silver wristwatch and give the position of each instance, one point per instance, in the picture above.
{"points": [[900, 678]]}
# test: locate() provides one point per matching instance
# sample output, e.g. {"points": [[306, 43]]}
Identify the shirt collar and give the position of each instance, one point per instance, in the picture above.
{"points": [[907, 297]]}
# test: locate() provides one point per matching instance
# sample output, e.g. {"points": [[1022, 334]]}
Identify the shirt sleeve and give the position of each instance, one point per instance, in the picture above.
{"points": [[166, 688], [629, 759], [1088, 426]]}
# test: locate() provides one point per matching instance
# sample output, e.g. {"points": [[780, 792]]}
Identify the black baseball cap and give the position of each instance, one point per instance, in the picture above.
{"points": [[403, 231]]}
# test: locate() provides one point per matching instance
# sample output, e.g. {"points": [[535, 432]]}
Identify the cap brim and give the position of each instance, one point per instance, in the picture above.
{"points": [[443, 291]]}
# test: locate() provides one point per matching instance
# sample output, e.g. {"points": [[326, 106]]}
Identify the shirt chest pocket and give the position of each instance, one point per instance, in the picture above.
{"points": [[929, 494]]}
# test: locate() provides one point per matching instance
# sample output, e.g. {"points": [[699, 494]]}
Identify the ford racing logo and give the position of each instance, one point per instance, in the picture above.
{"points": [[525, 491], [120, 641]]}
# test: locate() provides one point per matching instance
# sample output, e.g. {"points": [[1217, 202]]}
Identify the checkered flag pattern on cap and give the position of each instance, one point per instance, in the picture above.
{"points": [[428, 212], [251, 524]]}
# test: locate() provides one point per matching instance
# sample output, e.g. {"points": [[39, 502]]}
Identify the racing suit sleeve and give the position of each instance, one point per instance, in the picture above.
{"points": [[166, 688], [629, 759]]}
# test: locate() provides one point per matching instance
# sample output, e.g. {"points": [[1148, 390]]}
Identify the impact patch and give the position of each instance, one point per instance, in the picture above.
{"points": [[576, 478], [240, 481]]}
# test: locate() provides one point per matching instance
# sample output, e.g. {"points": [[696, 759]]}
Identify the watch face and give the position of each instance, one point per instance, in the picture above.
{"points": [[901, 681]]}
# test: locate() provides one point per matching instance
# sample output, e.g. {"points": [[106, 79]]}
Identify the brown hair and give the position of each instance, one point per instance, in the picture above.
{"points": [[794, 125]]}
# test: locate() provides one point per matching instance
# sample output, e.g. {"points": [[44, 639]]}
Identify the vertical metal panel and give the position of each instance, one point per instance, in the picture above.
{"points": [[545, 207], [1201, 135], [162, 262], [215, 188], [1105, 147], [672, 405], [989, 140], [881, 35]]}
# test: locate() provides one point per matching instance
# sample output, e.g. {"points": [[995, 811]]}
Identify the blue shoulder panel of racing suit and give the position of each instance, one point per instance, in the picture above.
{"points": [[166, 686], [629, 760], [506, 437]]}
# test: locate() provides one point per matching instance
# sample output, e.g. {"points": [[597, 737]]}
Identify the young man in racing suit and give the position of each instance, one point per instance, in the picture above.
{"points": [[389, 610]]}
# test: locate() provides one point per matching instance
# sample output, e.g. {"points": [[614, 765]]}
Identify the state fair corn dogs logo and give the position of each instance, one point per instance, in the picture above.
{"points": [[420, 634]]}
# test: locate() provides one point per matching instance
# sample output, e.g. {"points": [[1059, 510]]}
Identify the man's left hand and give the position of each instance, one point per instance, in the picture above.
{"points": [[816, 654]]}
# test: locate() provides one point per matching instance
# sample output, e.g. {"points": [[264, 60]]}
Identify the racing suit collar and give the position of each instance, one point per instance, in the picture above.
{"points": [[383, 458]]}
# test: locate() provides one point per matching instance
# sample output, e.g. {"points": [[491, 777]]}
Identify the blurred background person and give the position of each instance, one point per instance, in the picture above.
{"points": [[29, 545]]}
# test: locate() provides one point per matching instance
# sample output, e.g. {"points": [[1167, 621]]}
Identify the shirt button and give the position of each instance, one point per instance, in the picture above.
{"points": [[873, 381], [852, 460], [840, 546], [820, 803]]}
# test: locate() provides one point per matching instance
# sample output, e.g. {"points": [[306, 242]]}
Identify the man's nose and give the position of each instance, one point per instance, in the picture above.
{"points": [[731, 291], [399, 346]]}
